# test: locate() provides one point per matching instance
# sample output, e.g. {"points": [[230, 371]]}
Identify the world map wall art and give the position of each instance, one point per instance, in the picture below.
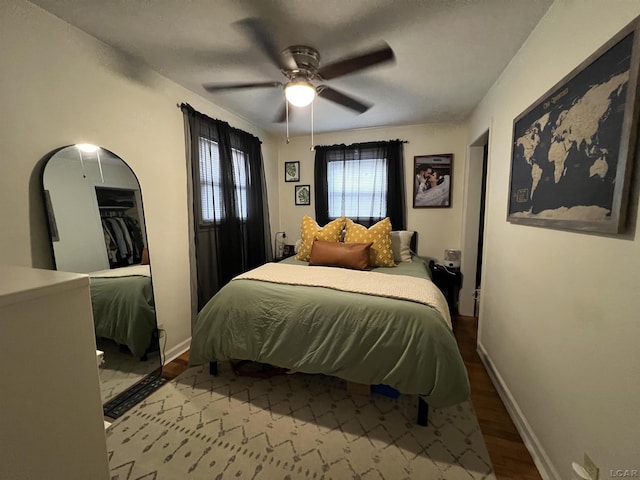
{"points": [[574, 148]]}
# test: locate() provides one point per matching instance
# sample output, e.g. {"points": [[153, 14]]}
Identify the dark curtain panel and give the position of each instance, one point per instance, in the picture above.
{"points": [[230, 210], [391, 152]]}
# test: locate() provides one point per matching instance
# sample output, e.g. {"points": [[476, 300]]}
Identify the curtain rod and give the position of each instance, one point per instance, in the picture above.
{"points": [[189, 108], [361, 143], [181, 105]]}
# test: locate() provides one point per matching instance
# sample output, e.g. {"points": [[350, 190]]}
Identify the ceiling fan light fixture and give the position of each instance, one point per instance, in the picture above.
{"points": [[300, 93]]}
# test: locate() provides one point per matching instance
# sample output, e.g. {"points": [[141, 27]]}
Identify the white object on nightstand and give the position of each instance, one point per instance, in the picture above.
{"points": [[100, 357]]}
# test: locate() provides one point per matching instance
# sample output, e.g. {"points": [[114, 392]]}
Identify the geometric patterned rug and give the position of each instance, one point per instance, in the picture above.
{"points": [[121, 370], [290, 427]]}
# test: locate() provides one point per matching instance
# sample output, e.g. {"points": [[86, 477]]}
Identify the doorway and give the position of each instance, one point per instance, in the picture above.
{"points": [[473, 226], [483, 196]]}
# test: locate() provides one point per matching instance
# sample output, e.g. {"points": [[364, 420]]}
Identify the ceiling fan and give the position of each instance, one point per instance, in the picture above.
{"points": [[300, 64]]}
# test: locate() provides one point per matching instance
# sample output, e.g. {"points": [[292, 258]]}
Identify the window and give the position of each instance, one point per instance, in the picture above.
{"points": [[212, 206], [362, 181], [357, 188]]}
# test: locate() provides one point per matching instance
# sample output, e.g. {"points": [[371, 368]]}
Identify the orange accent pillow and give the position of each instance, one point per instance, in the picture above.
{"points": [[381, 253], [310, 230], [338, 254]]}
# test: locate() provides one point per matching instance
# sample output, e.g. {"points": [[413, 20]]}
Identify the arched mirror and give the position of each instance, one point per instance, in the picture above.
{"points": [[97, 227]]}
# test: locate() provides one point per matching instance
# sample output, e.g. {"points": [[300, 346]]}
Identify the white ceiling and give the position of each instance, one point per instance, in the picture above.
{"points": [[448, 52]]}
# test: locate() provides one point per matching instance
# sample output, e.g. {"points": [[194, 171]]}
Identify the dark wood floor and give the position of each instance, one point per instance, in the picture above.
{"points": [[510, 458]]}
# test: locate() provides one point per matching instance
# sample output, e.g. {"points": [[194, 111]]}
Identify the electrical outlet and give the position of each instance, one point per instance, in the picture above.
{"points": [[591, 468], [160, 333]]}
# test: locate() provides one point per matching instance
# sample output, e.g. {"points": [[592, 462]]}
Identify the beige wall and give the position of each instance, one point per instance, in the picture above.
{"points": [[438, 228], [558, 318], [558, 315], [59, 86]]}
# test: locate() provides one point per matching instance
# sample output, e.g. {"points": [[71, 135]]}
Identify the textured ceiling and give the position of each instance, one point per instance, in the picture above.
{"points": [[448, 52]]}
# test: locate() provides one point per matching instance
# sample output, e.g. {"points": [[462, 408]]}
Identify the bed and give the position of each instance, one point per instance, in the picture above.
{"points": [[304, 318], [123, 307]]}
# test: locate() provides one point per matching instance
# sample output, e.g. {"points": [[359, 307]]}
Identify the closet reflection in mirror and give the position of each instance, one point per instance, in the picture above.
{"points": [[97, 227]]}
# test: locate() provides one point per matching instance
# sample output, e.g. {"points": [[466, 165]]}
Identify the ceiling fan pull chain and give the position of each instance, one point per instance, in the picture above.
{"points": [[84, 174], [286, 102], [100, 165]]}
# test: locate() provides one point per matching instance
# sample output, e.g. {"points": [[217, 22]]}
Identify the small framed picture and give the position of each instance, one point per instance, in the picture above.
{"points": [[303, 194], [291, 171], [432, 180]]}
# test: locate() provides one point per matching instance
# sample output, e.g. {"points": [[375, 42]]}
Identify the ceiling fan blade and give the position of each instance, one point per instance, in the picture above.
{"points": [[281, 116], [258, 32], [239, 86], [358, 62], [342, 99]]}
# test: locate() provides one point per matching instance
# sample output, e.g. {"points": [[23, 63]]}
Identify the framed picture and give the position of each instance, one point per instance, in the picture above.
{"points": [[573, 149], [291, 171], [432, 180], [303, 194]]}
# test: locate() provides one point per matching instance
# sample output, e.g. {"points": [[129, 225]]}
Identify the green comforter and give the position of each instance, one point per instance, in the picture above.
{"points": [[123, 311], [356, 337]]}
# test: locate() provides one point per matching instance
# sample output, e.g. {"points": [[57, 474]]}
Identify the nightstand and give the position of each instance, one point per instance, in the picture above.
{"points": [[287, 251], [449, 281]]}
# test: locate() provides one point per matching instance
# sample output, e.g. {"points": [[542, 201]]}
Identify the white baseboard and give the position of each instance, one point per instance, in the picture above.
{"points": [[540, 458], [176, 351]]}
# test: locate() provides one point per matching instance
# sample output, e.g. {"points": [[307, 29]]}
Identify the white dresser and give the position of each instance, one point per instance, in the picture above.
{"points": [[51, 423]]}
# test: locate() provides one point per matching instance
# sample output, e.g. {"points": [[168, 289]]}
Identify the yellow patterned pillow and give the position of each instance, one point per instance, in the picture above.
{"points": [[381, 253], [310, 230]]}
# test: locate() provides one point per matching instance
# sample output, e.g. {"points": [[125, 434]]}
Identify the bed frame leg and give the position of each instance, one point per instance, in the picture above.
{"points": [[423, 412], [213, 368]]}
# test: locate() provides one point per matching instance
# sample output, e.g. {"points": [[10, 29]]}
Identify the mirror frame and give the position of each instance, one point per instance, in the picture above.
{"points": [[119, 397]]}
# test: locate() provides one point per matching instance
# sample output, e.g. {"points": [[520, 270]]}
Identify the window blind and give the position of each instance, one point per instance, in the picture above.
{"points": [[212, 207], [357, 188]]}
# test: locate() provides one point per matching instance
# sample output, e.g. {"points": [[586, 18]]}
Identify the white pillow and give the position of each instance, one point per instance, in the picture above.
{"points": [[400, 244]]}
